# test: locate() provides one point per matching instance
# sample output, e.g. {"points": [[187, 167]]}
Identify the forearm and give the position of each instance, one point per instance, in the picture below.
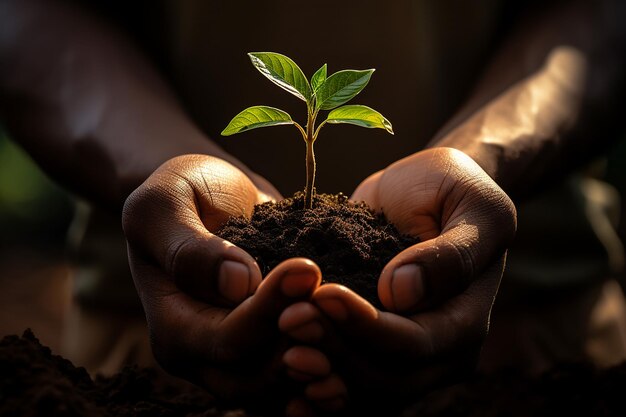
{"points": [[549, 99], [85, 104]]}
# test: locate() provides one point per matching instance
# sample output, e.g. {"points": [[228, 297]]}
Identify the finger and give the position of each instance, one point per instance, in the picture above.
{"points": [[181, 328], [328, 394], [357, 323], [397, 357], [429, 272], [302, 321], [291, 281], [168, 218], [463, 320], [453, 335], [299, 407], [477, 222], [184, 335], [306, 363]]}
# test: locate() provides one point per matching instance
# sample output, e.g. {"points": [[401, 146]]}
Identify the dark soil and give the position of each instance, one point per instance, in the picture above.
{"points": [[349, 242], [33, 382]]}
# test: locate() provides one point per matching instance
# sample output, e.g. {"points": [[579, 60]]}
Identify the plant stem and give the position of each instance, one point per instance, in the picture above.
{"points": [[310, 175], [297, 125], [309, 191], [317, 131]]}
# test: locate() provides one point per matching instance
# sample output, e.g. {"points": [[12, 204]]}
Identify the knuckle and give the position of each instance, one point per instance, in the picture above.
{"points": [[181, 253], [463, 251], [467, 258], [506, 218], [192, 263], [129, 212], [138, 207], [175, 254], [503, 210], [496, 211]]}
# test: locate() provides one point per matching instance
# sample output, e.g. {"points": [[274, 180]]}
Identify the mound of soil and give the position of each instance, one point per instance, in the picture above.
{"points": [[349, 242], [33, 382]]}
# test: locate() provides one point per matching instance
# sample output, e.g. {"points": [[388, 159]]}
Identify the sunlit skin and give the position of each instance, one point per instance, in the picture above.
{"points": [[529, 117]]}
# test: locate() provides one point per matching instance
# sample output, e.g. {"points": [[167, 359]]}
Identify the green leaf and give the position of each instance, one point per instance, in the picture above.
{"points": [[255, 117], [283, 72], [318, 78], [341, 87], [361, 116]]}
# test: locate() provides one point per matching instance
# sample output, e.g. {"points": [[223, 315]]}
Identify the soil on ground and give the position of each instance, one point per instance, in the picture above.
{"points": [[34, 382], [348, 241]]}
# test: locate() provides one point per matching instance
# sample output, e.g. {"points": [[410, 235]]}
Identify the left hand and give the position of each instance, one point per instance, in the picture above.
{"points": [[438, 293], [211, 319]]}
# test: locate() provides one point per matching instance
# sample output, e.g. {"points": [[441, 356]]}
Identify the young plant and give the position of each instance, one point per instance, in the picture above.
{"points": [[322, 93]]}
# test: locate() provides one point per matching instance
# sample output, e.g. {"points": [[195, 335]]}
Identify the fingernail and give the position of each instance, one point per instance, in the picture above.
{"points": [[407, 287], [334, 308], [234, 281], [297, 284]]}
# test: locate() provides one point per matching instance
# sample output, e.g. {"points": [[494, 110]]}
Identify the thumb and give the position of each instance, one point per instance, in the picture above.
{"points": [[167, 220], [477, 222]]}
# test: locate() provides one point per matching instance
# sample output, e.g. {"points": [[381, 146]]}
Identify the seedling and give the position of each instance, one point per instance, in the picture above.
{"points": [[322, 93]]}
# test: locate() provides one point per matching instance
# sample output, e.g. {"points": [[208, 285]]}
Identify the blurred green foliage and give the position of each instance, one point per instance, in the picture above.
{"points": [[34, 211]]}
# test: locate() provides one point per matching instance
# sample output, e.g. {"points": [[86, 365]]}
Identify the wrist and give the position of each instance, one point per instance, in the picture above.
{"points": [[468, 139], [516, 136]]}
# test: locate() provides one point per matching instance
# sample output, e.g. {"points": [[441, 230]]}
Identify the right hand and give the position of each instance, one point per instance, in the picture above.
{"points": [[211, 319], [437, 294]]}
